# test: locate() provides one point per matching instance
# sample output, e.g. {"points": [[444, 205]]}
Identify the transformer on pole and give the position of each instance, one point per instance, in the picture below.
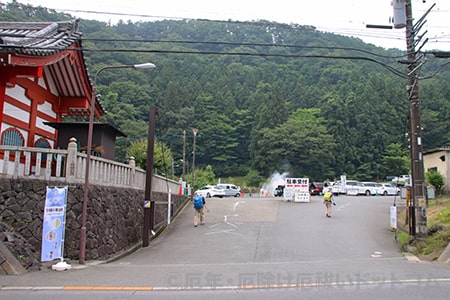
{"points": [[418, 203]]}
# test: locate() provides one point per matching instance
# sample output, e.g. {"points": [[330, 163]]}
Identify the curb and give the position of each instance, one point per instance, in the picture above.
{"points": [[445, 255], [411, 257]]}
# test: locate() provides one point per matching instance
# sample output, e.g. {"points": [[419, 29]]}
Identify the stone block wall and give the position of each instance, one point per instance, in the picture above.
{"points": [[114, 219]]}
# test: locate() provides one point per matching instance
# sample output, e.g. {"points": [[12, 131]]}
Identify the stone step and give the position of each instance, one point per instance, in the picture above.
{"points": [[9, 265]]}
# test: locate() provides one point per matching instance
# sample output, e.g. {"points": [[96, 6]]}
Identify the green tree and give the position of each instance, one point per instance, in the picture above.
{"points": [[269, 111], [202, 177], [254, 179], [302, 146], [15, 11], [238, 100], [217, 140], [436, 180], [162, 156], [395, 160]]}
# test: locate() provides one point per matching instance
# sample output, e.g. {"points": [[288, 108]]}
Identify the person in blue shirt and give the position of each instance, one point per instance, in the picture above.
{"points": [[199, 209]]}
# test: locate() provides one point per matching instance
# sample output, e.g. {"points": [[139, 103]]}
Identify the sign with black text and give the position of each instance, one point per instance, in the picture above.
{"points": [[54, 224], [297, 189]]}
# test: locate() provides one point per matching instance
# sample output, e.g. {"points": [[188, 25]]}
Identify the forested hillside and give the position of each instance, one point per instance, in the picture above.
{"points": [[265, 96]]}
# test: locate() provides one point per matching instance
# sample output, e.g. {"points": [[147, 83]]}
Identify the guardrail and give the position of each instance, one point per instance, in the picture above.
{"points": [[69, 166]]}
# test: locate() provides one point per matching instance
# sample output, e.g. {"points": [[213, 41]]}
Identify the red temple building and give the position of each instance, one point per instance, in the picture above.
{"points": [[43, 78]]}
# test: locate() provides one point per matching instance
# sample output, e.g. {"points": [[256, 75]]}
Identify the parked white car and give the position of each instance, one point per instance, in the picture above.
{"points": [[338, 188], [369, 188], [389, 189], [209, 191]]}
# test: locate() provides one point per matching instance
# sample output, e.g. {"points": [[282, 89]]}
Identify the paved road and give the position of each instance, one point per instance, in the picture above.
{"points": [[256, 246]]}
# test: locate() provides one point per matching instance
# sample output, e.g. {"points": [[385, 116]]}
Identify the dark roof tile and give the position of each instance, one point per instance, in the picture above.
{"points": [[38, 38]]}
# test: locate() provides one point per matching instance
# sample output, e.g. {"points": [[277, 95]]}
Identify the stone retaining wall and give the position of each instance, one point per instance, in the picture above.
{"points": [[114, 220]]}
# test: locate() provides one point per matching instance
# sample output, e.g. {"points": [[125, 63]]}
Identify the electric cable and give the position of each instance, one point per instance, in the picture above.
{"points": [[386, 66], [336, 30]]}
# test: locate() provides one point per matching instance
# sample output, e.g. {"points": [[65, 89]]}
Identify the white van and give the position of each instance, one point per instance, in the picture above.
{"points": [[350, 187]]}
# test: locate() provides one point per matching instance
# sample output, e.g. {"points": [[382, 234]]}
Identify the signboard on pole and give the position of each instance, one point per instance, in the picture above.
{"points": [[297, 190], [54, 224], [343, 186]]}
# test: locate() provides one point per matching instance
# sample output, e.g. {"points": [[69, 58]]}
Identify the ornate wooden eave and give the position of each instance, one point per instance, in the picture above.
{"points": [[52, 51]]}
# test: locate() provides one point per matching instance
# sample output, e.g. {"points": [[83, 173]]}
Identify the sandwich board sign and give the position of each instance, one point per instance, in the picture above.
{"points": [[297, 190]]}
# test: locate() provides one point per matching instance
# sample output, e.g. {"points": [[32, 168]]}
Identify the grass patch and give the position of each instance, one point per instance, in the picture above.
{"points": [[402, 238], [438, 222]]}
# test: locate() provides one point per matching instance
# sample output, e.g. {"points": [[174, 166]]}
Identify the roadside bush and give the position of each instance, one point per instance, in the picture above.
{"points": [[253, 178], [435, 179]]}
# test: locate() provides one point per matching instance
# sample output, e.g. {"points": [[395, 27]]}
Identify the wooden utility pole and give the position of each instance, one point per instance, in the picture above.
{"points": [[184, 154], [418, 204], [149, 202]]}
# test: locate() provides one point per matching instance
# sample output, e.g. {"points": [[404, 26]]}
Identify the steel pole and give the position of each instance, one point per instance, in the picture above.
{"points": [[82, 250], [82, 253], [194, 131]]}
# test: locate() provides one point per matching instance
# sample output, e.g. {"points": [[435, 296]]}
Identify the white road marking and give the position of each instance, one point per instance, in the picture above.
{"points": [[377, 254], [340, 207], [230, 231], [231, 224], [236, 204], [225, 221]]}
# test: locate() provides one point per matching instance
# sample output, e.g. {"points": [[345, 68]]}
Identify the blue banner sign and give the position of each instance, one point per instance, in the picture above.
{"points": [[54, 224]]}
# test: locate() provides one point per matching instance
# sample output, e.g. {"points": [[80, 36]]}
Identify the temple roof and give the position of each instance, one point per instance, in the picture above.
{"points": [[69, 125], [53, 50], [38, 38]]}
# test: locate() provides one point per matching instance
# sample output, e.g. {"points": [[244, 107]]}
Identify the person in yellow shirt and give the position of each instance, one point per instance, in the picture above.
{"points": [[328, 201]]}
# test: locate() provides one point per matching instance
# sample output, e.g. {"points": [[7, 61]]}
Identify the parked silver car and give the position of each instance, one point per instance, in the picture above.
{"points": [[230, 190]]}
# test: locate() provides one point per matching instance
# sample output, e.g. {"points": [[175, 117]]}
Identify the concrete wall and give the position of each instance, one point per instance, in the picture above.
{"points": [[114, 219], [439, 160]]}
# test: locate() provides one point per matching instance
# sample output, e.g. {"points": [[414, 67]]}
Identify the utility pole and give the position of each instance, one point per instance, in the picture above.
{"points": [[418, 203], [184, 153], [149, 202]]}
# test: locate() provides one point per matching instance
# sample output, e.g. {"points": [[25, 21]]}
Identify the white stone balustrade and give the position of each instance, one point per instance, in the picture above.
{"points": [[69, 166]]}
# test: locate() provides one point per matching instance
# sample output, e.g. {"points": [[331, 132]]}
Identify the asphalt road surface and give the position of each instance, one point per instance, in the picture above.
{"points": [[256, 248]]}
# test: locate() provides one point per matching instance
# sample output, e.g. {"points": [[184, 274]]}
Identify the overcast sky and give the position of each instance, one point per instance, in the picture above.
{"points": [[346, 17]]}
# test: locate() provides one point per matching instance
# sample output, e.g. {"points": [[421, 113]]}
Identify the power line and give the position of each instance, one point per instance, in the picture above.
{"points": [[386, 66], [270, 45], [267, 24], [343, 31], [226, 43], [247, 44]]}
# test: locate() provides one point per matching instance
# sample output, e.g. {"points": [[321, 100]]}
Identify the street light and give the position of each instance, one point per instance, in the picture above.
{"points": [[194, 130], [88, 151]]}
